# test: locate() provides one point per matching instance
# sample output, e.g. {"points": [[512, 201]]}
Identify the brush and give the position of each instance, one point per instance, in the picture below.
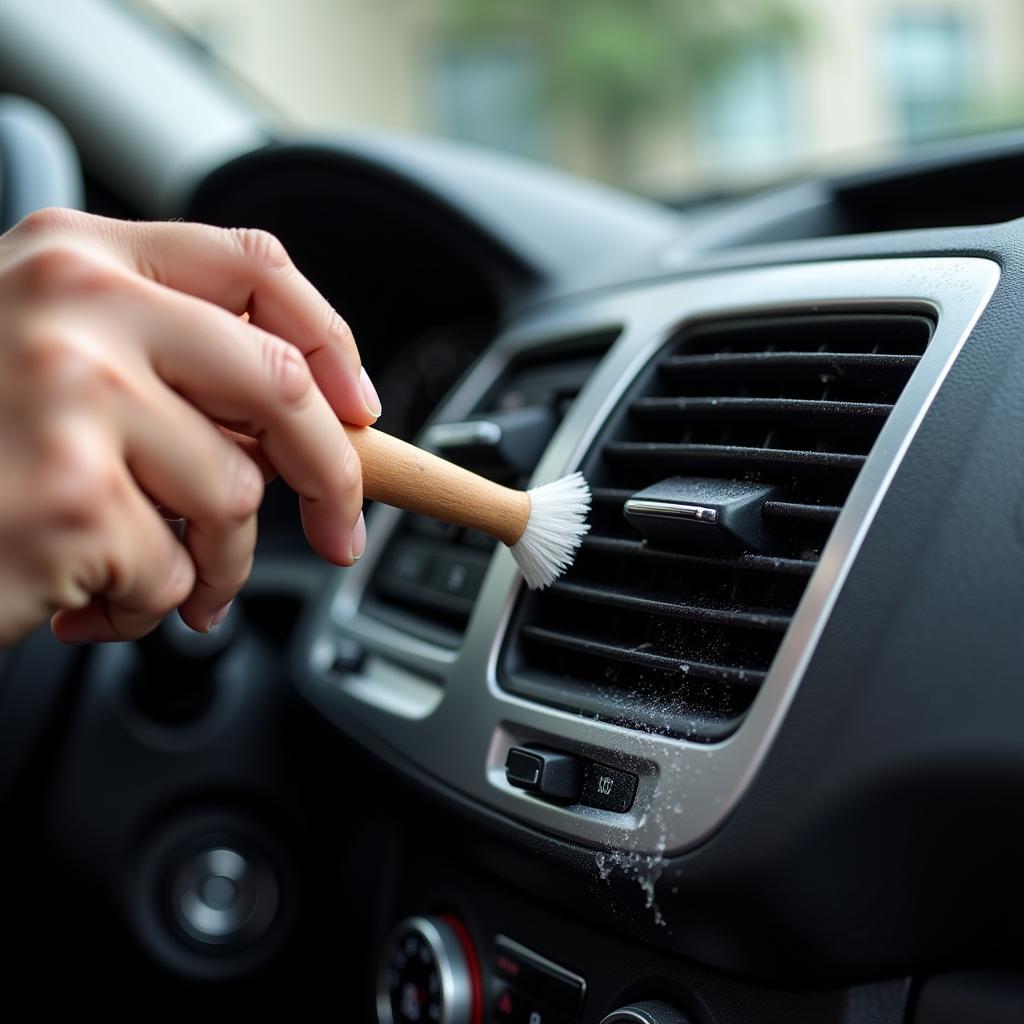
{"points": [[542, 527]]}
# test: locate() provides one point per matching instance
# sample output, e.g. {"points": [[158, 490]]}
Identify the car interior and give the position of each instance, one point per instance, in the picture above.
{"points": [[767, 772]]}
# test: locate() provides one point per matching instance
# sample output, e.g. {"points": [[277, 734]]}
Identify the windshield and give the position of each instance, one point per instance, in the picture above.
{"points": [[663, 97]]}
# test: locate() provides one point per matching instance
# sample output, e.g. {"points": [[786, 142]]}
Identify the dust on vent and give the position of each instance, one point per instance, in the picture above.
{"points": [[678, 637]]}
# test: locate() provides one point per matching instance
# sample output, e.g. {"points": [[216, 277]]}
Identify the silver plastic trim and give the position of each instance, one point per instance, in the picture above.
{"points": [[661, 1013], [627, 1016], [469, 434], [456, 985], [686, 789], [671, 510]]}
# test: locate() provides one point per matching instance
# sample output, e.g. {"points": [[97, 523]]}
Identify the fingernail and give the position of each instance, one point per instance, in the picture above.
{"points": [[220, 616], [358, 538], [369, 393]]}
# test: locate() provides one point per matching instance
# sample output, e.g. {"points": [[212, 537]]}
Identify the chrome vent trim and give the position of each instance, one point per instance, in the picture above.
{"points": [[686, 789]]}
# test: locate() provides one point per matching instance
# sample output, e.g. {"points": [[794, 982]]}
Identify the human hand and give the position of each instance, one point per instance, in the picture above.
{"points": [[128, 378]]}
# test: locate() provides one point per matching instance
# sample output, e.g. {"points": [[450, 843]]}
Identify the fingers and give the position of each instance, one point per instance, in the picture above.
{"points": [[148, 574], [247, 270], [259, 385], [223, 555], [183, 461]]}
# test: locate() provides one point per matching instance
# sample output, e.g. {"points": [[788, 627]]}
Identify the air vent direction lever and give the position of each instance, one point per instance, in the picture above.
{"points": [[700, 512], [513, 440]]}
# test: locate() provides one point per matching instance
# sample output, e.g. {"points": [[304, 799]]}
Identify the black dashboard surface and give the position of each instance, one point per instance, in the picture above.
{"points": [[876, 838]]}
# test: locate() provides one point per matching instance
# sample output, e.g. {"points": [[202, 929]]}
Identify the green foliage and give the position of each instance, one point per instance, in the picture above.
{"points": [[618, 62]]}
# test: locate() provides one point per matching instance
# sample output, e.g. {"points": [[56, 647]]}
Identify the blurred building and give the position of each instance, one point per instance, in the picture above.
{"points": [[857, 77]]}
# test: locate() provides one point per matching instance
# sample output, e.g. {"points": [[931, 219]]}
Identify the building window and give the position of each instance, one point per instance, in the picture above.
{"points": [[489, 95], [745, 116], [927, 64]]}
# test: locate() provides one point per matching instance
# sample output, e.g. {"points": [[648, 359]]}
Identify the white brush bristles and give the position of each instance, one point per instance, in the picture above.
{"points": [[558, 521]]}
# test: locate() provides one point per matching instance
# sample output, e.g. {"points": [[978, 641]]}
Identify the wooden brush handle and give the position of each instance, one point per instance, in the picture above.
{"points": [[407, 477]]}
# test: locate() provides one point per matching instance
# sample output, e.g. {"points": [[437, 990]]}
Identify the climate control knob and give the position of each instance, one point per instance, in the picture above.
{"points": [[429, 974], [646, 1013]]}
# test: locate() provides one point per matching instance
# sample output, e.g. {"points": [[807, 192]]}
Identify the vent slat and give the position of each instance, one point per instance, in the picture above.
{"points": [[633, 656], [739, 618], [680, 635], [658, 408], [610, 495], [796, 510], [841, 362], [746, 561], [741, 456]]}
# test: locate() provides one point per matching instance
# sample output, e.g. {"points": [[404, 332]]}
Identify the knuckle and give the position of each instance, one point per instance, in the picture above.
{"points": [[286, 368], [48, 220], [64, 269], [51, 267], [78, 481], [60, 363], [262, 248]]}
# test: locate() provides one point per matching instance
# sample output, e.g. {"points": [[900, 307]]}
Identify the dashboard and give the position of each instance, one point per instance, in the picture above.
{"points": [[765, 771], [794, 745]]}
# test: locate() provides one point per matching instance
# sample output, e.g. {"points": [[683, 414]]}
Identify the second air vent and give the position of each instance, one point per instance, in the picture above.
{"points": [[429, 576]]}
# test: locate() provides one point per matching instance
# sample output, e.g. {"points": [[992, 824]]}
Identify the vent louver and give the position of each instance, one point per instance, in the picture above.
{"points": [[429, 576], [680, 640]]}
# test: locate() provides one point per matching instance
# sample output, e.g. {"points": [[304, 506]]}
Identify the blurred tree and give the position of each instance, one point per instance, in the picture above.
{"points": [[616, 64]]}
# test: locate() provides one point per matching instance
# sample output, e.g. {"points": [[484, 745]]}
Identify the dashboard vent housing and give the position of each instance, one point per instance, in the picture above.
{"points": [[430, 573], [678, 639]]}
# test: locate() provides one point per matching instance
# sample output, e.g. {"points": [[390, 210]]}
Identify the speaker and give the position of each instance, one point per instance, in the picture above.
{"points": [[215, 895]]}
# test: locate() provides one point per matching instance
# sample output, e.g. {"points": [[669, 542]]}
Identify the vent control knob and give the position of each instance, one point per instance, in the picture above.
{"points": [[646, 1013]]}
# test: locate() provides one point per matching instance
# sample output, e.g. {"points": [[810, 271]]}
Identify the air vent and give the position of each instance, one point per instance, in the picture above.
{"points": [[668, 632], [429, 576]]}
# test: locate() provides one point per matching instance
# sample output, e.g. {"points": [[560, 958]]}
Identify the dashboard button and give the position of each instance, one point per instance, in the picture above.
{"points": [[458, 575], [409, 563], [507, 1007], [424, 526], [547, 773], [515, 970], [608, 789]]}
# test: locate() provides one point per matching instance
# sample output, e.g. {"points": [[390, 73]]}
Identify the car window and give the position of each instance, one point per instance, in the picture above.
{"points": [[664, 97]]}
